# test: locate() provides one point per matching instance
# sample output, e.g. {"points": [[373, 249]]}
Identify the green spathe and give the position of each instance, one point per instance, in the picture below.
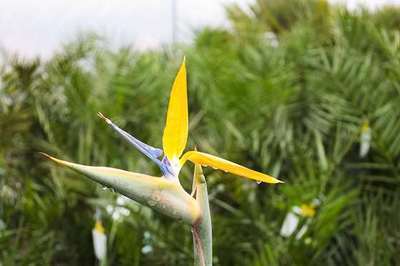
{"points": [[163, 195]]}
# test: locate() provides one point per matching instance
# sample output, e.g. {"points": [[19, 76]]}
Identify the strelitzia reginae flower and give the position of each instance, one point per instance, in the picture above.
{"points": [[165, 194]]}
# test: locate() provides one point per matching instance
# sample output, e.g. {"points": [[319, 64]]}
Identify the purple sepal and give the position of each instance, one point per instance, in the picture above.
{"points": [[167, 169], [149, 151]]}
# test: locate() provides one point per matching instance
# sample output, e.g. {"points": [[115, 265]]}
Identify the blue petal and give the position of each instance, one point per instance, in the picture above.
{"points": [[149, 151], [167, 169]]}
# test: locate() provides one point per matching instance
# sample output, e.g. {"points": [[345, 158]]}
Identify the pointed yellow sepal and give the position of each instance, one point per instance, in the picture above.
{"points": [[176, 127], [205, 159]]}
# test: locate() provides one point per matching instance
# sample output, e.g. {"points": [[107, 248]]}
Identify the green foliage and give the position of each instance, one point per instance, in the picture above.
{"points": [[292, 107]]}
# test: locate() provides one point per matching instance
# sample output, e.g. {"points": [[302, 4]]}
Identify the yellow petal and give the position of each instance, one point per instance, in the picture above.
{"points": [[227, 166], [176, 127]]}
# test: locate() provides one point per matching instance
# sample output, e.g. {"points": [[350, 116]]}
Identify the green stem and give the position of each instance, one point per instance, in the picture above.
{"points": [[202, 229]]}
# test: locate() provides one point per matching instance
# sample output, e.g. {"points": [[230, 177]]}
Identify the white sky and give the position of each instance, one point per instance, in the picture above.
{"points": [[38, 27]]}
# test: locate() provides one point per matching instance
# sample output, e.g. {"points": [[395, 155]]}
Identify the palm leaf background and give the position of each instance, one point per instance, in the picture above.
{"points": [[292, 107]]}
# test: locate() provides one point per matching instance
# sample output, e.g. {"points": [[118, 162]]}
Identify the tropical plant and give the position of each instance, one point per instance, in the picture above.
{"points": [[294, 103], [165, 194]]}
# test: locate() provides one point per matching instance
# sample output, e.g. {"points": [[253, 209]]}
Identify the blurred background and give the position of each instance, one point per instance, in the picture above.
{"points": [[308, 91]]}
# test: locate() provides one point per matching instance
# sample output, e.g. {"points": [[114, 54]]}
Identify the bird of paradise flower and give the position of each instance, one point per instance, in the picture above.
{"points": [[165, 194]]}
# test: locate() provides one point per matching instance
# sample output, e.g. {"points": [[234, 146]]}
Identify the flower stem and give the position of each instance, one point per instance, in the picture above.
{"points": [[202, 229]]}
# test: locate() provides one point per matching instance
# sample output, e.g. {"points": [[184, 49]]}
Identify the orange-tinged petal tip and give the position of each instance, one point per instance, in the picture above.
{"points": [[61, 162], [48, 156]]}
